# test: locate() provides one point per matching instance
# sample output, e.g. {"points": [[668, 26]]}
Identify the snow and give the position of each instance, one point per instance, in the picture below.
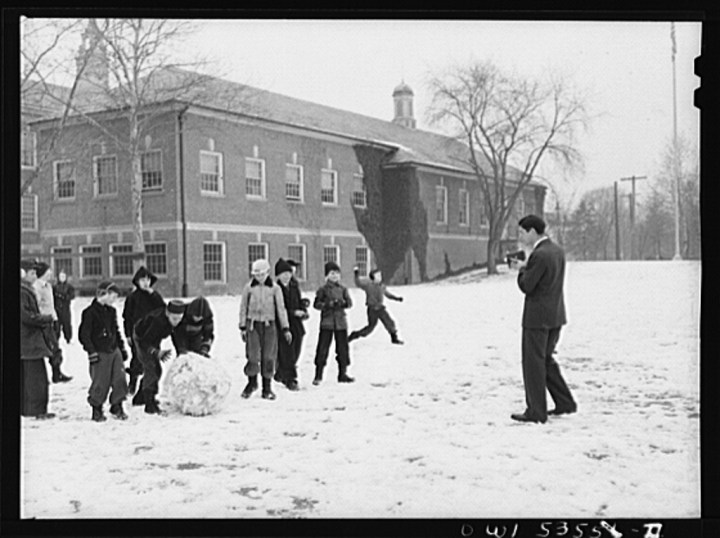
{"points": [[425, 431]]}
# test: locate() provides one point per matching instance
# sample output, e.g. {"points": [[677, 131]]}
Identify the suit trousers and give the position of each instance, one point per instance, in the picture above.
{"points": [[261, 349], [107, 373], [342, 352], [541, 373], [374, 315]]}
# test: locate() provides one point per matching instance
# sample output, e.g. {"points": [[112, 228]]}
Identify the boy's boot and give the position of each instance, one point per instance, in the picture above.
{"points": [[251, 386], [58, 376], [343, 377], [117, 411], [139, 398], [395, 340], [151, 404], [267, 392], [318, 375], [97, 413]]}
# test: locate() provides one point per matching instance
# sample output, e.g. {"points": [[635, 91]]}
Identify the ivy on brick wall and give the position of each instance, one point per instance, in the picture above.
{"points": [[395, 219]]}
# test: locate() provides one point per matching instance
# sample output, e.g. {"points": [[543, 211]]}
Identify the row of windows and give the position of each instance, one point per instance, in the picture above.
{"points": [[105, 178], [441, 207], [120, 260]]}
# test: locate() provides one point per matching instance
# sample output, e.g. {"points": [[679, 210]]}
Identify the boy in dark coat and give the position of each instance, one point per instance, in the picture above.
{"points": [[33, 347], [375, 292], [148, 334], [289, 353], [100, 337], [63, 293], [141, 301], [332, 299], [196, 330]]}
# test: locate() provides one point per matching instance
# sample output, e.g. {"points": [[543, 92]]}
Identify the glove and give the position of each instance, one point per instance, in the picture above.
{"points": [[288, 335], [93, 358], [243, 334], [400, 299], [164, 354], [305, 303]]}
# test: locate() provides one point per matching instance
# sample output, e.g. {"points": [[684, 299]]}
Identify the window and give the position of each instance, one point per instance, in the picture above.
{"points": [[297, 253], [64, 179], [121, 265], [151, 169], [256, 251], [464, 216], [331, 253], [441, 204], [328, 187], [362, 259], [91, 260], [156, 258], [105, 174], [28, 143], [254, 178], [211, 178], [214, 262], [29, 213], [294, 182], [359, 194], [62, 257]]}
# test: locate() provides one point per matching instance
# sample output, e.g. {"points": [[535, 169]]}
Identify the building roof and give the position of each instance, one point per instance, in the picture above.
{"points": [[41, 99]]}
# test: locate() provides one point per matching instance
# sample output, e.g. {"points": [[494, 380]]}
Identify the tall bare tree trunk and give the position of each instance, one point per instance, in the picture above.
{"points": [[137, 218]]}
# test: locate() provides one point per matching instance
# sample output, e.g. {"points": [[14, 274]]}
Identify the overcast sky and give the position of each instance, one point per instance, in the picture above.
{"points": [[624, 68]]}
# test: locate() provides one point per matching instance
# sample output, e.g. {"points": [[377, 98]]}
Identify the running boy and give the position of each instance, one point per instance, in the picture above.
{"points": [[261, 304], [375, 292], [100, 336], [332, 299]]}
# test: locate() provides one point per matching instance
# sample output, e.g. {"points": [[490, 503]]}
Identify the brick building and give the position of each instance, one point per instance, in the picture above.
{"points": [[269, 176]]}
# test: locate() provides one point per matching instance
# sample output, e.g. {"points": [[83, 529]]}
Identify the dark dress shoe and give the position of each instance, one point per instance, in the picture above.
{"points": [[61, 378], [562, 411], [522, 417]]}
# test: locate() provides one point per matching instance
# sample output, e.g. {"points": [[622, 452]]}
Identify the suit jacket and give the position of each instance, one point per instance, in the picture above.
{"points": [[541, 280]]}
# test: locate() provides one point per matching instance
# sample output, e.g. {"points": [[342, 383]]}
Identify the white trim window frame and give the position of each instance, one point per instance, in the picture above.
{"points": [[257, 251], [359, 196], [120, 263], [84, 259], [210, 178], [464, 204], [329, 196], [62, 259], [294, 183], [362, 264], [156, 257], [64, 186], [218, 259], [331, 253], [255, 181], [28, 155], [441, 204], [99, 175], [152, 179], [26, 215], [301, 272]]}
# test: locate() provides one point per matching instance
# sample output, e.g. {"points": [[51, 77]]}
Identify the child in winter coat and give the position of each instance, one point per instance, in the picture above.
{"points": [[196, 330], [141, 301], [261, 304], [332, 299], [289, 353], [46, 304], [375, 292], [63, 293], [100, 337]]}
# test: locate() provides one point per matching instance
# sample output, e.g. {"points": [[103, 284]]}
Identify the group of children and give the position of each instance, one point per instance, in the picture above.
{"points": [[271, 326]]}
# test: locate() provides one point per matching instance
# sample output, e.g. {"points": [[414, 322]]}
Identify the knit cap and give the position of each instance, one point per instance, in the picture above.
{"points": [[331, 266], [282, 266], [176, 307]]}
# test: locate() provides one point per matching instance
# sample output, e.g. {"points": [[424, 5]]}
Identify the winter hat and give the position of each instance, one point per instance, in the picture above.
{"points": [[28, 265], [41, 268], [260, 266], [198, 310], [144, 272], [106, 286], [331, 266], [292, 263], [176, 307], [282, 266]]}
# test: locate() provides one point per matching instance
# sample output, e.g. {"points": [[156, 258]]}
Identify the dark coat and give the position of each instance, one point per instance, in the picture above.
{"points": [[332, 299], [63, 293], [293, 302], [541, 280], [140, 302], [33, 344], [151, 330], [196, 331], [99, 331]]}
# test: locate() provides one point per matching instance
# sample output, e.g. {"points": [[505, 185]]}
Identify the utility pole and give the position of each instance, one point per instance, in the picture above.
{"points": [[617, 225], [632, 212], [676, 155]]}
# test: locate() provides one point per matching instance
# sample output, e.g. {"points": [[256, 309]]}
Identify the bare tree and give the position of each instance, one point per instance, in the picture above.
{"points": [[509, 125]]}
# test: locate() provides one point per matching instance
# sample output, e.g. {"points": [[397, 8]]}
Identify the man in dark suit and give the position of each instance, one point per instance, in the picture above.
{"points": [[540, 278]]}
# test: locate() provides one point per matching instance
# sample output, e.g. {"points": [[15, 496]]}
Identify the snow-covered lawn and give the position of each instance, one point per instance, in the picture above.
{"points": [[425, 431]]}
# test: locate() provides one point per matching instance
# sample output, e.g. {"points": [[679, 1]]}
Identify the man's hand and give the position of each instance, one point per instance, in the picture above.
{"points": [[288, 335], [517, 264], [300, 314]]}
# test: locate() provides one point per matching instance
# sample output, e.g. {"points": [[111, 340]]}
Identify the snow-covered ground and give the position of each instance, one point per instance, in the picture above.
{"points": [[425, 431]]}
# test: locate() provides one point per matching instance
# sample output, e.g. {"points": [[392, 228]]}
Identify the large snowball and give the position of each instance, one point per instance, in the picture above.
{"points": [[196, 385]]}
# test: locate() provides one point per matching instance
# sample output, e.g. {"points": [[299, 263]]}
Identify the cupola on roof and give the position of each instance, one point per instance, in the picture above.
{"points": [[403, 88]]}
